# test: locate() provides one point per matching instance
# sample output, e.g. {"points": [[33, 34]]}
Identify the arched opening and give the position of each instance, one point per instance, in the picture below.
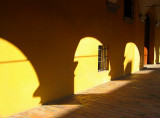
{"points": [[146, 41], [149, 41]]}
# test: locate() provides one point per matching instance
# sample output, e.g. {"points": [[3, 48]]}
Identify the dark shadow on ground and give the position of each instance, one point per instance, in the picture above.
{"points": [[139, 98]]}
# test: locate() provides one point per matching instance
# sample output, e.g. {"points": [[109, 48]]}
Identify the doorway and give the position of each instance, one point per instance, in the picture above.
{"points": [[147, 41]]}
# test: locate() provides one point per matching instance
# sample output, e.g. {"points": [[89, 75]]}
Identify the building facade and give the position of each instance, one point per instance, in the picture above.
{"points": [[51, 49]]}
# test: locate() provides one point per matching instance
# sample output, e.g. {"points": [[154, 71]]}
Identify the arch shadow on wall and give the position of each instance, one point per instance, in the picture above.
{"points": [[132, 59], [86, 73], [18, 80]]}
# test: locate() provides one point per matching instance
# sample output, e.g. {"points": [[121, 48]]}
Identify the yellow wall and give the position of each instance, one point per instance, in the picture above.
{"points": [[132, 59], [139, 35], [86, 73], [18, 80], [50, 33]]}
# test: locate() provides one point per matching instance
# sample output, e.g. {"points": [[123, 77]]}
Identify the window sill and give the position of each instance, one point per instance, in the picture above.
{"points": [[128, 19], [101, 71]]}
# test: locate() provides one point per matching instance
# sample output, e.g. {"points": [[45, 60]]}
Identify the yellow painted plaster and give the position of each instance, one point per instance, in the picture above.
{"points": [[18, 80], [131, 56], [86, 72]]}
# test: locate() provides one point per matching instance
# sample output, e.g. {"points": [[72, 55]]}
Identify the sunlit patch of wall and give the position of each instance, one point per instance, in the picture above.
{"points": [[18, 80], [86, 72], [132, 58]]}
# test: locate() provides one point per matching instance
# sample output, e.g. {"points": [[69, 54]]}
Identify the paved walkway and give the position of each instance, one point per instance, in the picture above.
{"points": [[136, 96]]}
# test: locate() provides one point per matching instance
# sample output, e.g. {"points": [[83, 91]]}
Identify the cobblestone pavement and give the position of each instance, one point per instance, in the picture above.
{"points": [[135, 96]]}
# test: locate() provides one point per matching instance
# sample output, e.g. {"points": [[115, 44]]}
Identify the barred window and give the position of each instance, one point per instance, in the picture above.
{"points": [[129, 8], [102, 58]]}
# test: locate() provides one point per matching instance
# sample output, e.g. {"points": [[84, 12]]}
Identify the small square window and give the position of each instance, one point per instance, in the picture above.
{"points": [[102, 58]]}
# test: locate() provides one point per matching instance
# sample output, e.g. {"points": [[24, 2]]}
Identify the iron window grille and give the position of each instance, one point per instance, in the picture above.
{"points": [[102, 58]]}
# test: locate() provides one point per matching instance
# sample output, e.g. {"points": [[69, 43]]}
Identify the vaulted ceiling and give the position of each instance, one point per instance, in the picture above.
{"points": [[145, 5]]}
